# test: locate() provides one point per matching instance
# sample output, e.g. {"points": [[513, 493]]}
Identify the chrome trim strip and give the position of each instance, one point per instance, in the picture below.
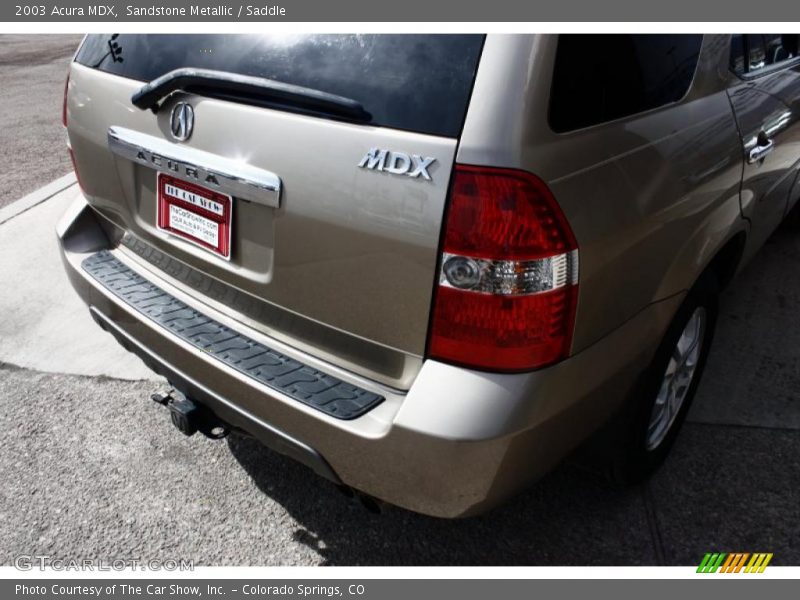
{"points": [[228, 176]]}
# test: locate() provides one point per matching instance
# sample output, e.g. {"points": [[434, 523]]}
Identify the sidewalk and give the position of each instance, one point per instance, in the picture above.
{"points": [[45, 326]]}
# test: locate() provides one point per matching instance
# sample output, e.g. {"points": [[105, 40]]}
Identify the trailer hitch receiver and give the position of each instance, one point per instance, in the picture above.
{"points": [[190, 417]]}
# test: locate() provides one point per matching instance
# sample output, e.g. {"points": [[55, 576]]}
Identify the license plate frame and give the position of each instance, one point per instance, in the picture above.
{"points": [[195, 213]]}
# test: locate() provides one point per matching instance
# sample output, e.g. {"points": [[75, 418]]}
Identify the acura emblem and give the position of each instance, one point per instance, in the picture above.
{"points": [[181, 121]]}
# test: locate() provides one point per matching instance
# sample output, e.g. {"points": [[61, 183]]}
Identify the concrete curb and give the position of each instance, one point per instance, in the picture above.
{"points": [[37, 197]]}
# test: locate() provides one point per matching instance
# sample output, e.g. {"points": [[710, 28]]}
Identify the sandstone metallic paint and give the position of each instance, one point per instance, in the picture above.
{"points": [[457, 443], [651, 198], [344, 268], [768, 107], [341, 276]]}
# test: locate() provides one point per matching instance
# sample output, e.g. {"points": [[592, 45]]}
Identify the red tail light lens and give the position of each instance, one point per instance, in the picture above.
{"points": [[503, 333], [505, 214], [65, 121], [64, 103], [508, 283]]}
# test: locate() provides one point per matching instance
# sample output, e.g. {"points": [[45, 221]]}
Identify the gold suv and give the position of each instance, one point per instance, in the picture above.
{"points": [[426, 266]]}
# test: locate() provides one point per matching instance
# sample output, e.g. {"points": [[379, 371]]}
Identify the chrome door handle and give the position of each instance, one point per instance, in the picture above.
{"points": [[760, 151]]}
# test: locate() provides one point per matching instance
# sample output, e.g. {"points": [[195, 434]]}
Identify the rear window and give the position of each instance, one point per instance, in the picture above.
{"points": [[413, 82], [600, 78]]}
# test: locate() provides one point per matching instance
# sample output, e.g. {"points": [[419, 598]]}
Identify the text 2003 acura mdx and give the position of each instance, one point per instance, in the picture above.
{"points": [[427, 266]]}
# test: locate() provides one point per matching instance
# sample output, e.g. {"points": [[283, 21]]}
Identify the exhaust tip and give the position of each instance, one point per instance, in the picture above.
{"points": [[372, 505], [346, 491]]}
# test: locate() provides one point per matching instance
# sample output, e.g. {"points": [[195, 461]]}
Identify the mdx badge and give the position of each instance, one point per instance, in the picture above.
{"points": [[397, 163]]}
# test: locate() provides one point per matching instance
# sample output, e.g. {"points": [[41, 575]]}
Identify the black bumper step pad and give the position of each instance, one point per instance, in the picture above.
{"points": [[268, 367]]}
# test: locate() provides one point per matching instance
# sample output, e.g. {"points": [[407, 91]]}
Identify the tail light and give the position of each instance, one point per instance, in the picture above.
{"points": [[508, 282], [65, 122], [64, 104]]}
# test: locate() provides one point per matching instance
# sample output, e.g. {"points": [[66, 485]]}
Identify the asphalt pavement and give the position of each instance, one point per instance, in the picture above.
{"points": [[33, 70], [94, 469]]}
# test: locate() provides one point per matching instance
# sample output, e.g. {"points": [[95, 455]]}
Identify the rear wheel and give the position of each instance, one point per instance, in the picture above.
{"points": [[669, 386], [793, 217]]}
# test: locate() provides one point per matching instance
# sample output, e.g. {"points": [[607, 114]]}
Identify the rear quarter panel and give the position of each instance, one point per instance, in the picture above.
{"points": [[651, 198]]}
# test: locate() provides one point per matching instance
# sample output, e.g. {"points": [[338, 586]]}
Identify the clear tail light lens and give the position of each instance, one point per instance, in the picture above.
{"points": [[508, 283]]}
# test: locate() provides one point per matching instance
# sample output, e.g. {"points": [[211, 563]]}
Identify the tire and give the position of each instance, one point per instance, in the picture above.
{"points": [[793, 216], [646, 439]]}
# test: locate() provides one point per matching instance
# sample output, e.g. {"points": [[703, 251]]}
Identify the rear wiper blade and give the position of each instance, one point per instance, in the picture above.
{"points": [[151, 94]]}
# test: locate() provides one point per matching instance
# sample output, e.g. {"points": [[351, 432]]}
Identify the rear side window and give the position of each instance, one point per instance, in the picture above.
{"points": [[600, 78], [755, 52], [414, 82]]}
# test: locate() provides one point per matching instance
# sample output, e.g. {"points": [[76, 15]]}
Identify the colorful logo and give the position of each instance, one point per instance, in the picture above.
{"points": [[734, 562]]}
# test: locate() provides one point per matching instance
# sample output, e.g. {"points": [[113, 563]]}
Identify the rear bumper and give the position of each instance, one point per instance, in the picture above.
{"points": [[456, 443]]}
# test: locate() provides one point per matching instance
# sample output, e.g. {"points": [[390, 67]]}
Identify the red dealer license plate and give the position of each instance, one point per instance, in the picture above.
{"points": [[195, 213]]}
